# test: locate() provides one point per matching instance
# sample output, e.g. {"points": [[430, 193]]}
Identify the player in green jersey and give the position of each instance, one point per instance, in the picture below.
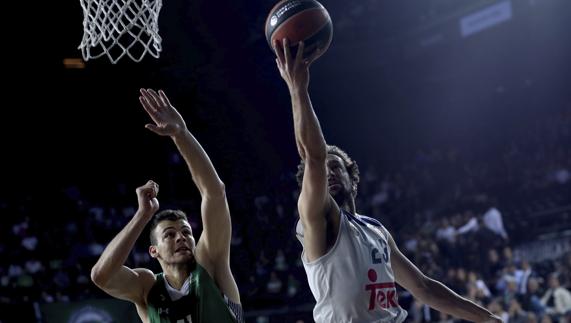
{"points": [[196, 284]]}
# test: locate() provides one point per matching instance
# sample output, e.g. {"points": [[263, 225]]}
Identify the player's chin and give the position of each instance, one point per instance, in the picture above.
{"points": [[334, 189], [184, 255], [184, 260], [340, 196]]}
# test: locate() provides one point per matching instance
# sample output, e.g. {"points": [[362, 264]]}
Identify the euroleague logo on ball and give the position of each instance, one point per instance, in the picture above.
{"points": [[297, 21], [288, 6]]}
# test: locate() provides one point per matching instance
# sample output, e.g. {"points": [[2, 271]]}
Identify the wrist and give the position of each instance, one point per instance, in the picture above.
{"points": [[144, 215], [298, 91], [179, 133]]}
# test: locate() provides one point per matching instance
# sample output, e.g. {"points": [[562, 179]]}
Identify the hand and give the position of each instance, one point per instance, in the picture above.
{"points": [[295, 71], [147, 198], [168, 122]]}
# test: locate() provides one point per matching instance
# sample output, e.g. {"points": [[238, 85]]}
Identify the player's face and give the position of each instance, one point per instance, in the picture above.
{"points": [[175, 243], [338, 179]]}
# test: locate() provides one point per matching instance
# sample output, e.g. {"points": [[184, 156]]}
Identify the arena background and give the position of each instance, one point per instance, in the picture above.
{"points": [[451, 108]]}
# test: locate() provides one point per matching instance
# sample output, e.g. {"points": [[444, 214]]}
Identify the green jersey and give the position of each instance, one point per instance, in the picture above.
{"points": [[203, 304]]}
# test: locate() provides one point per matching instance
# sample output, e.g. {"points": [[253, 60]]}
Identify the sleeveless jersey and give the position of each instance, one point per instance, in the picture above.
{"points": [[354, 281], [203, 304]]}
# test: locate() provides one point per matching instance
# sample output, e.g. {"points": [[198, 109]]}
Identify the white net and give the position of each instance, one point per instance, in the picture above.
{"points": [[120, 27]]}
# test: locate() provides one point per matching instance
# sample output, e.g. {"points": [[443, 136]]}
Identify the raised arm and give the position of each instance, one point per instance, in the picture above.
{"points": [[109, 273], [434, 293], [213, 248], [314, 203]]}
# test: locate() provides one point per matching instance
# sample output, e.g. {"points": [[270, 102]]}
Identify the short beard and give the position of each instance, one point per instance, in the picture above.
{"points": [[190, 263], [189, 266], [342, 197]]}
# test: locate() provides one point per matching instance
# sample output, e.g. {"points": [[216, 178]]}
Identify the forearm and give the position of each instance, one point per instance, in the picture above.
{"points": [[203, 173], [443, 299], [117, 251], [308, 134]]}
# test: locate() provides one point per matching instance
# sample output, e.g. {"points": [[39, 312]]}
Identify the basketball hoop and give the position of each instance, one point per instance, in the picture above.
{"points": [[120, 27]]}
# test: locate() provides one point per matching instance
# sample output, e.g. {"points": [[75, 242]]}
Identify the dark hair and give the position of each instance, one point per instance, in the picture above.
{"points": [[164, 215], [350, 165]]}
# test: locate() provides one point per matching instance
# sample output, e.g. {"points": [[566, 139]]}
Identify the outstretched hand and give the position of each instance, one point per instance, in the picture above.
{"points": [[294, 70], [147, 198], [168, 122]]}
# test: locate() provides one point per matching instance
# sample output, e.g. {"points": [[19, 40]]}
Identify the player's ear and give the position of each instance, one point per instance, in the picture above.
{"points": [[153, 251]]}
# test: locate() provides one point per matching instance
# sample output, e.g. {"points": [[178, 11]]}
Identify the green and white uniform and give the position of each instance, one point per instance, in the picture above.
{"points": [[200, 301]]}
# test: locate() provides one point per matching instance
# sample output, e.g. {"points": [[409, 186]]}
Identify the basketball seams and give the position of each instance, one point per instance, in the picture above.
{"points": [[316, 13]]}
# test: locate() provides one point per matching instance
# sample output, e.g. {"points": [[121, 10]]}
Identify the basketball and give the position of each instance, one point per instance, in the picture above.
{"points": [[300, 20]]}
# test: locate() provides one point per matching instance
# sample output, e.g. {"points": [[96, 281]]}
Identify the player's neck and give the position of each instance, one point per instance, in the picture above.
{"points": [[349, 205], [176, 275]]}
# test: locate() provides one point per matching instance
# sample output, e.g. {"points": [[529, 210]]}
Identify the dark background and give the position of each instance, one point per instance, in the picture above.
{"points": [[378, 92], [398, 82]]}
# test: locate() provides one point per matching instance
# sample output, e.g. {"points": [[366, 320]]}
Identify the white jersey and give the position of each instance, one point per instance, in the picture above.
{"points": [[354, 281]]}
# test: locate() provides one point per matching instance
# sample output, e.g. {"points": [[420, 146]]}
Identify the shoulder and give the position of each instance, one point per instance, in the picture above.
{"points": [[147, 279], [564, 292], [366, 221], [146, 275], [372, 221], [334, 214]]}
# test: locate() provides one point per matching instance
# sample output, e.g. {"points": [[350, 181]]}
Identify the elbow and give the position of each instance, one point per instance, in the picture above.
{"points": [[97, 277], [422, 288], [220, 189], [217, 190]]}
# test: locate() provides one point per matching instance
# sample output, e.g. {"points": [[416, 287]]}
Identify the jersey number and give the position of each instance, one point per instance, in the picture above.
{"points": [[376, 257]]}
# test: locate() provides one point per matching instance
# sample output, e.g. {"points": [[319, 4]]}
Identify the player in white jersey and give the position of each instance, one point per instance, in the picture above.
{"points": [[354, 281], [352, 262]]}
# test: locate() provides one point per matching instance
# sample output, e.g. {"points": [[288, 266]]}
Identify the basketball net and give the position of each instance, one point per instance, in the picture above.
{"points": [[120, 27]]}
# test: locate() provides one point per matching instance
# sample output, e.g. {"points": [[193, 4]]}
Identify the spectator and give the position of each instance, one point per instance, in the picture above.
{"points": [[557, 299]]}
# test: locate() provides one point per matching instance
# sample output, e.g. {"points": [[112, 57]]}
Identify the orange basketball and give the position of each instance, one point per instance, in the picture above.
{"points": [[300, 20]]}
